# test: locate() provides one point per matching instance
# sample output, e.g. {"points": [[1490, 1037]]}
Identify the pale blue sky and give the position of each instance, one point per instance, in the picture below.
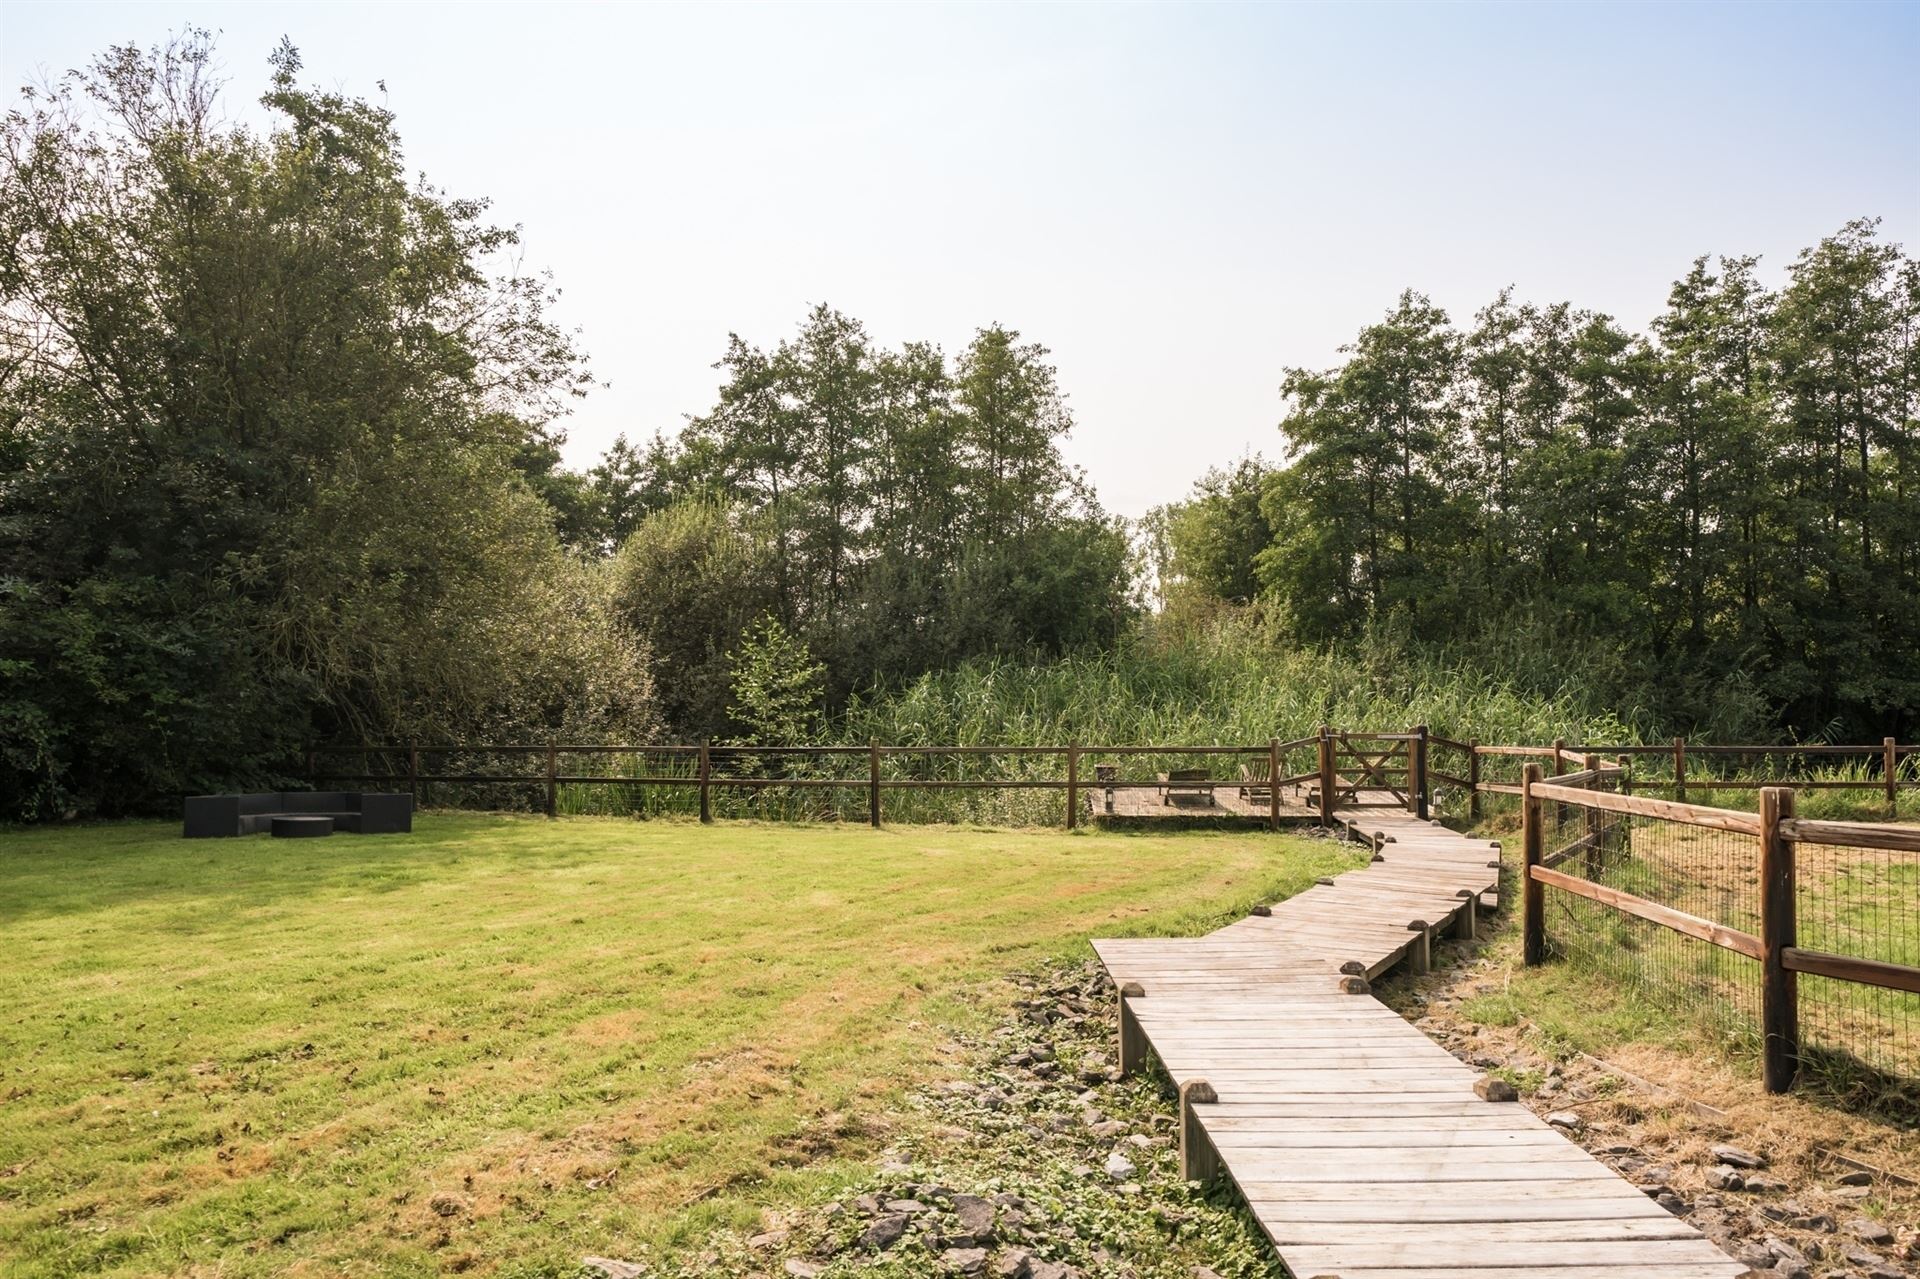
{"points": [[1181, 201]]}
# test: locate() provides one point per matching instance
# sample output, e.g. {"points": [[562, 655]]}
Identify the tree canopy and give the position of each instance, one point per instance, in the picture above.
{"points": [[263, 407], [1726, 503]]}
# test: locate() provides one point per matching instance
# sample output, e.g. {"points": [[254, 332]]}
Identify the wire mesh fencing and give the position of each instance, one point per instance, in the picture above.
{"points": [[1863, 903], [1673, 903], [1699, 871]]}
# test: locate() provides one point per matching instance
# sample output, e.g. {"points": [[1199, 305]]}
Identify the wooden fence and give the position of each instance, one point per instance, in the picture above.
{"points": [[715, 768], [1335, 766], [1680, 764], [1774, 945]]}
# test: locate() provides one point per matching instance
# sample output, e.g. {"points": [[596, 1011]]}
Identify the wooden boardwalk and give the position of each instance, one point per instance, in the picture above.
{"points": [[1359, 1143]]}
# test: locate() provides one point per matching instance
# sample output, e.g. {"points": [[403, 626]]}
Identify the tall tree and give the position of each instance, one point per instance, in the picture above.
{"points": [[262, 401]]}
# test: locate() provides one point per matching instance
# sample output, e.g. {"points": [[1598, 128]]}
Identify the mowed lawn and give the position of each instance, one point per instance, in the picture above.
{"points": [[499, 1043]]}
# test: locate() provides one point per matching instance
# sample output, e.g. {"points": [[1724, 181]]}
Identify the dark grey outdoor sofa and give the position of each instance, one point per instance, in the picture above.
{"points": [[363, 814]]}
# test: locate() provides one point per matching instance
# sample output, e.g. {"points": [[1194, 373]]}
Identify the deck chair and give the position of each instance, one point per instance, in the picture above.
{"points": [[1256, 781], [1185, 781]]}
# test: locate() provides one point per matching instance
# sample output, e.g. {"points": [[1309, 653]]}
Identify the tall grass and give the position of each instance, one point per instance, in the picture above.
{"points": [[1223, 681], [1226, 684]]}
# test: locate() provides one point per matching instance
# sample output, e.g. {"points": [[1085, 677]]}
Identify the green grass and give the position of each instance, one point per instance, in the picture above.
{"points": [[499, 1043]]}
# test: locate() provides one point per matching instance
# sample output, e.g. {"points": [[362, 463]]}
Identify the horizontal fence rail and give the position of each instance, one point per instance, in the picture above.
{"points": [[1751, 885]]}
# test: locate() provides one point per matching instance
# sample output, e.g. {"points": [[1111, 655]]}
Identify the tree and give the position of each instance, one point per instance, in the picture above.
{"points": [[1012, 417], [1841, 330], [1214, 538], [262, 403], [777, 687], [1366, 505], [628, 485], [687, 583]]}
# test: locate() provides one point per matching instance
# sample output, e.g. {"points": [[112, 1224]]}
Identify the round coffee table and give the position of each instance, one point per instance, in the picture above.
{"points": [[302, 827]]}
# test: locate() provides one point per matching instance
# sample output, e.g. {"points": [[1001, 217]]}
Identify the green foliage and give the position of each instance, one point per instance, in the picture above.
{"points": [[1210, 543], [688, 582], [267, 439], [915, 515], [777, 687], [1724, 509]]}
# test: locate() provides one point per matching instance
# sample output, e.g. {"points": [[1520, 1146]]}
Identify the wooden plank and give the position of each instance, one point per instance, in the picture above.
{"points": [[1869, 972], [1406, 1218], [1678, 920], [1899, 839], [1546, 1191], [1644, 806], [1723, 1270], [1599, 1229], [1309, 1259]]}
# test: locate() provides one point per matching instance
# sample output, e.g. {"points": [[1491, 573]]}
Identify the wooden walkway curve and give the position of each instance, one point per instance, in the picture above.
{"points": [[1359, 1143]]}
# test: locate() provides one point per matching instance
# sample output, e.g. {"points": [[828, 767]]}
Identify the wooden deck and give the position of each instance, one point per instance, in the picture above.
{"points": [[1229, 804], [1359, 1143]]}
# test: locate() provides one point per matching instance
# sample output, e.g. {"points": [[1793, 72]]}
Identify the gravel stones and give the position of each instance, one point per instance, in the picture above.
{"points": [[884, 1232], [1736, 1157]]}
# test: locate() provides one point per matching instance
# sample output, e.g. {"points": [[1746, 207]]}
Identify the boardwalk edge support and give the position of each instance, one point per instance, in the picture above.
{"points": [[1133, 1040], [1199, 1161]]}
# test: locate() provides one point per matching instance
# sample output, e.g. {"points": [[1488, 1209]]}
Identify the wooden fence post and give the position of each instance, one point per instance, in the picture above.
{"points": [[706, 775], [1892, 767], [413, 771], [1273, 783], [1417, 773], [1532, 892], [1680, 769], [1779, 986], [1593, 831], [553, 786], [1326, 775], [873, 784], [1073, 785], [1559, 769], [1473, 781], [1623, 822], [1133, 1040]]}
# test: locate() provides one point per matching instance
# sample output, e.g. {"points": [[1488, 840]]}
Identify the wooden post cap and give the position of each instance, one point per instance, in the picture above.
{"points": [[1324, 881], [1377, 857], [1417, 926], [1133, 990], [1198, 1092], [1494, 864], [1262, 911], [1494, 843], [1463, 892], [1354, 968], [1355, 986], [1491, 1088]]}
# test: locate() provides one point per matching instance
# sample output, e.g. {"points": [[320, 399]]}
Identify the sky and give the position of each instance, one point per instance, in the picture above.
{"points": [[1180, 201]]}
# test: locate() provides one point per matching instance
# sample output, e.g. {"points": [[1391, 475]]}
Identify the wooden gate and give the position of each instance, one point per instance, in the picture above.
{"points": [[1372, 762]]}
